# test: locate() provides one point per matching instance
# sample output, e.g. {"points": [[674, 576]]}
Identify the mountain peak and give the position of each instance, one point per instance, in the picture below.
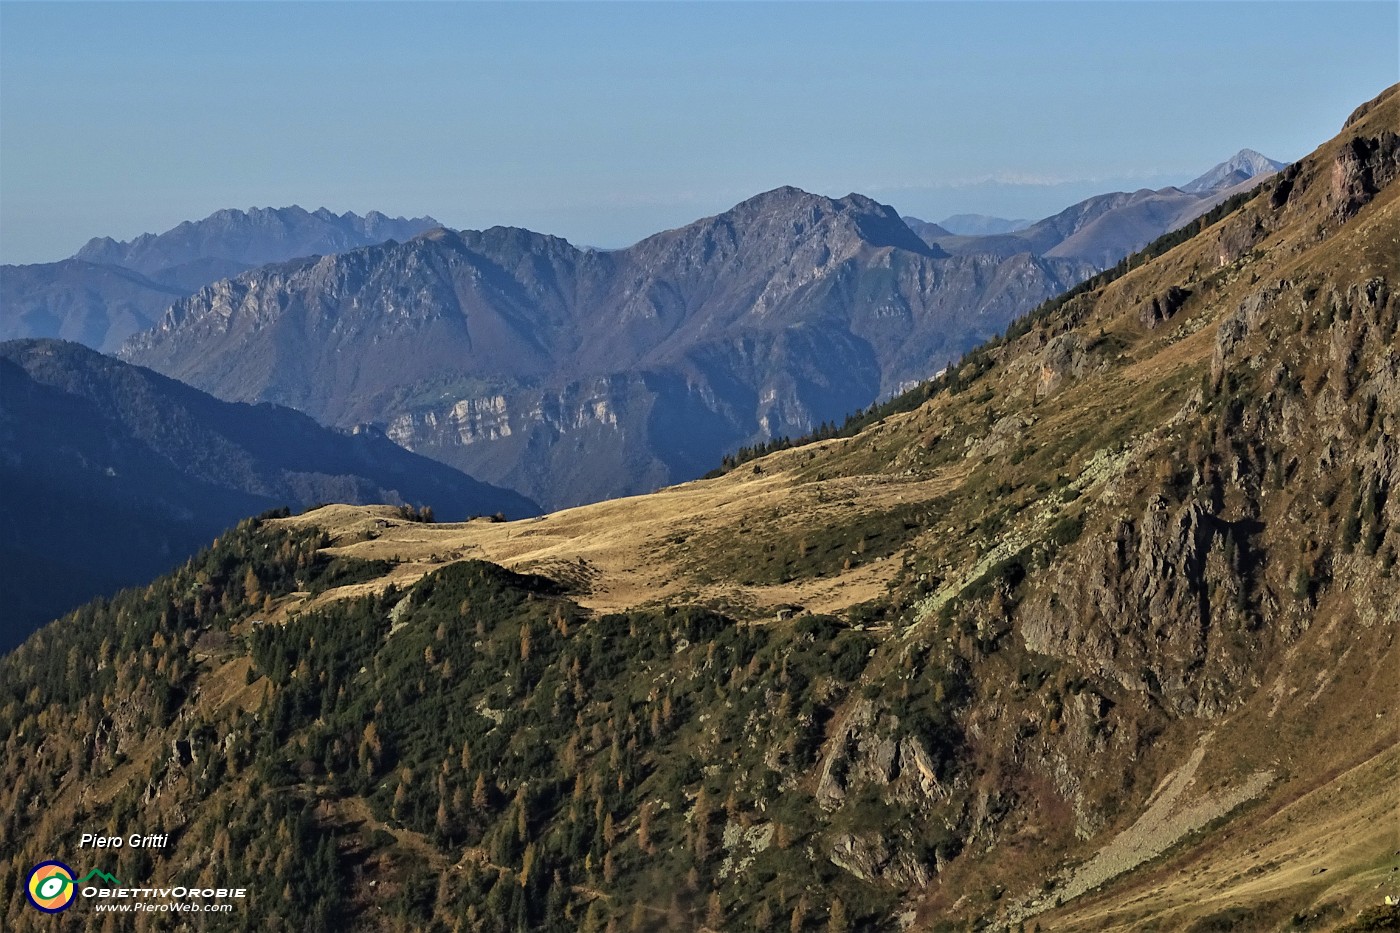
{"points": [[788, 196], [1242, 166], [439, 234], [878, 224], [780, 197], [1253, 155]]}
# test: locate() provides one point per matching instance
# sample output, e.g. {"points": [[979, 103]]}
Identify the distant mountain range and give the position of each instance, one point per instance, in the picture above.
{"points": [[569, 374], [981, 225], [928, 232], [238, 240], [110, 290], [113, 474], [1105, 228], [575, 375]]}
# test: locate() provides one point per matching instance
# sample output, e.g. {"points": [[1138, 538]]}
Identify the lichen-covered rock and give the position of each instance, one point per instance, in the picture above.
{"points": [[1063, 359], [870, 857]]}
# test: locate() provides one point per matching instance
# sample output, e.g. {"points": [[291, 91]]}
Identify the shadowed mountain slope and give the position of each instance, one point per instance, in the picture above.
{"points": [[95, 305], [112, 474]]}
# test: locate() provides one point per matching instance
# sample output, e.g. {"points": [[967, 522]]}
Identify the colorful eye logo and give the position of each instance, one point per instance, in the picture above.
{"points": [[50, 887]]}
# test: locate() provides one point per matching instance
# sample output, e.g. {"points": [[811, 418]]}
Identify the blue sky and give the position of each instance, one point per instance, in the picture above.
{"points": [[605, 122]]}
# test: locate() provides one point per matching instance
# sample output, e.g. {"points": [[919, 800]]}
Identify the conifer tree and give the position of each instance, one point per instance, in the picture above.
{"points": [[799, 916], [836, 921], [479, 798], [714, 912]]}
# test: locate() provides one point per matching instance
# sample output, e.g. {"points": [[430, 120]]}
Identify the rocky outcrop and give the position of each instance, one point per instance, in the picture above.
{"points": [[1063, 359], [1362, 168], [854, 735], [871, 858], [1163, 307], [1148, 606]]}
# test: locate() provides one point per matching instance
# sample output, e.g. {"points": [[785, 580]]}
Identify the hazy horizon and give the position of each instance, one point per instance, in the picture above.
{"points": [[604, 123]]}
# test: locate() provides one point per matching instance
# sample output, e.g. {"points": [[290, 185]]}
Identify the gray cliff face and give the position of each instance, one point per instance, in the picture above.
{"points": [[575, 375]]}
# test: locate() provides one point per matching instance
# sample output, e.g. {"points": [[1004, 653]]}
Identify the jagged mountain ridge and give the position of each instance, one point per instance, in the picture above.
{"points": [[507, 353], [110, 290], [113, 474], [83, 299], [1097, 633], [247, 238]]}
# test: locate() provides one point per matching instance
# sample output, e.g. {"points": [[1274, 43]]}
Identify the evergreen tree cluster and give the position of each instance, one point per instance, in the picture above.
{"points": [[473, 752]]}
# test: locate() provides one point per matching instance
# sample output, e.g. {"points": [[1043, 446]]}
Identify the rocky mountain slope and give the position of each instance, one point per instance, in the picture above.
{"points": [[113, 474], [1096, 632], [577, 375], [110, 290]]}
